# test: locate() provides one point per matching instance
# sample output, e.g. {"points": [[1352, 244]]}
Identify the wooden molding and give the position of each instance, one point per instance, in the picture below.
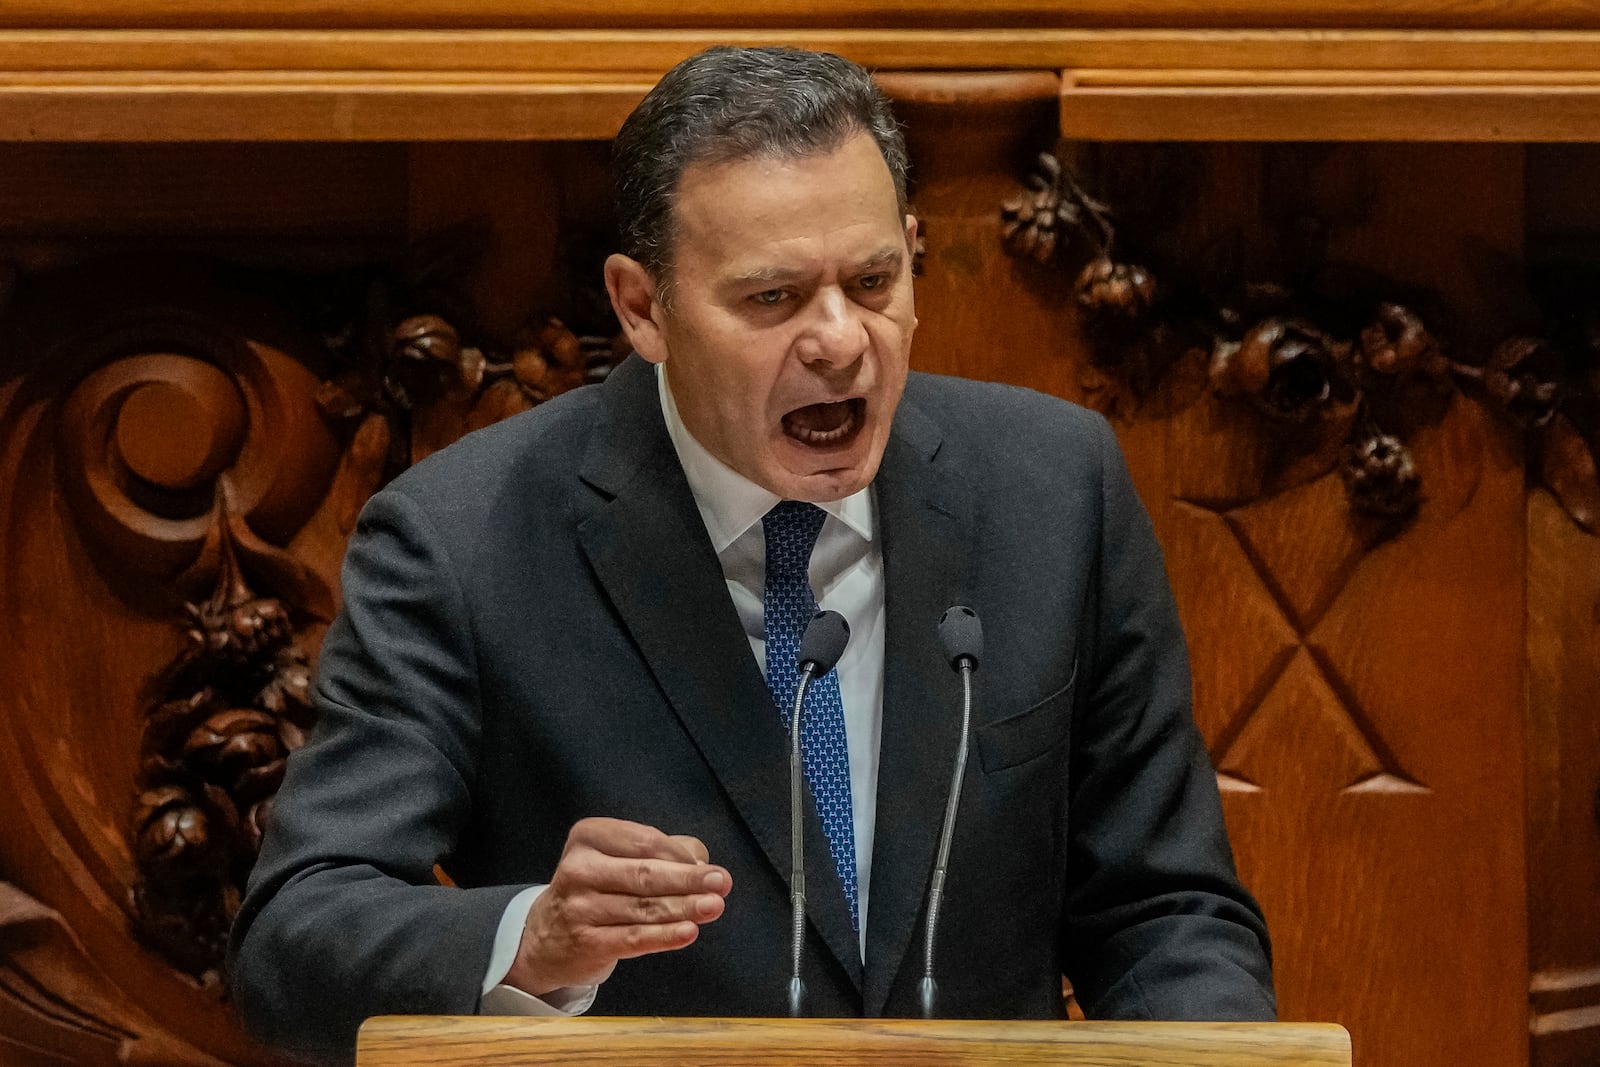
{"points": [[170, 85], [1330, 105], [614, 49], [305, 106], [1527, 14], [123, 106], [403, 1040]]}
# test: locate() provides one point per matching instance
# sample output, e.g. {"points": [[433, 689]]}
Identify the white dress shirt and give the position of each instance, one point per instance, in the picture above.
{"points": [[846, 576]]}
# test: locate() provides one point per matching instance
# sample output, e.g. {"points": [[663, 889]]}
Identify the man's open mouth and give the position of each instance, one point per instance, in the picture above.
{"points": [[826, 425]]}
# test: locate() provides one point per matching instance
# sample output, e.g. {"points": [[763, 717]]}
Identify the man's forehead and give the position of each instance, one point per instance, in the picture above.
{"points": [[857, 161]]}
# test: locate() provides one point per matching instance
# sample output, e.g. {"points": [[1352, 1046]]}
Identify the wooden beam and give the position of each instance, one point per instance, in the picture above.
{"points": [[1417, 106], [640, 14], [613, 50], [326, 106]]}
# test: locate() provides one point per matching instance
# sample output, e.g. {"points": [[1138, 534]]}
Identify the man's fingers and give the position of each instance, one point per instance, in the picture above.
{"points": [[646, 877], [616, 909], [640, 939], [695, 847], [622, 889], [633, 840]]}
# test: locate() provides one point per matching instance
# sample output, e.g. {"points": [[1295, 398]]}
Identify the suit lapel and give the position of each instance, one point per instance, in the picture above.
{"points": [[925, 518], [650, 552]]}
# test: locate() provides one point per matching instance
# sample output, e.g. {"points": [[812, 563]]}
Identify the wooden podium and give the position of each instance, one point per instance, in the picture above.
{"points": [[474, 1041]]}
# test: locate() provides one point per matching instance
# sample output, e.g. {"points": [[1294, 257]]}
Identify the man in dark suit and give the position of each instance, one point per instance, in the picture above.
{"points": [[567, 647]]}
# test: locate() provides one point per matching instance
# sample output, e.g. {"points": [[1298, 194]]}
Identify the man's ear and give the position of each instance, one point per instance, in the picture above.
{"points": [[911, 268], [633, 298]]}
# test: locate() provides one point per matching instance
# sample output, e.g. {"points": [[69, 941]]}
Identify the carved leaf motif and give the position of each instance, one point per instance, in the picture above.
{"points": [[1522, 376], [1567, 466], [197, 431], [266, 563], [501, 400], [1381, 475], [173, 833], [360, 471], [1052, 209], [345, 396], [233, 742], [1311, 361], [1398, 344], [1106, 287], [1287, 367], [212, 760]]}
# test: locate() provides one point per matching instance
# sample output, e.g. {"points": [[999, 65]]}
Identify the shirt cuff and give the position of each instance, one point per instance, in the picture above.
{"points": [[500, 999]]}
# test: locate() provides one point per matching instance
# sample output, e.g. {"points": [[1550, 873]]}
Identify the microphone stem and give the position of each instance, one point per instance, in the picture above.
{"points": [[946, 833], [797, 871]]}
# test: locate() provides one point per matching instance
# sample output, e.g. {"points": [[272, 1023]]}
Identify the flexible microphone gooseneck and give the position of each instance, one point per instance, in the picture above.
{"points": [[820, 648], [961, 634]]}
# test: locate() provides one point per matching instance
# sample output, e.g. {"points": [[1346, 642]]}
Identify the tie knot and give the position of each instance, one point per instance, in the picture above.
{"points": [[791, 530]]}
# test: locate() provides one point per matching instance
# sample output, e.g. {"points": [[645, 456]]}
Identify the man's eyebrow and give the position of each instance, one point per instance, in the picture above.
{"points": [[763, 276], [886, 257], [775, 276]]}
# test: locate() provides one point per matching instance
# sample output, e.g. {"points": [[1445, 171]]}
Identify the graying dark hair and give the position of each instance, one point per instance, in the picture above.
{"points": [[729, 104]]}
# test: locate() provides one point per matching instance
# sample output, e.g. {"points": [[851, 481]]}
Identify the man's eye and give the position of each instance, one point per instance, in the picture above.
{"points": [[769, 297], [873, 281]]}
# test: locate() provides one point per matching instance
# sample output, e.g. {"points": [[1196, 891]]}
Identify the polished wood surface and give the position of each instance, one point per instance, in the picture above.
{"points": [[1147, 105], [572, 83], [319, 106], [910, 47], [1526, 14], [1563, 786], [1209, 105], [1305, 629], [403, 1041]]}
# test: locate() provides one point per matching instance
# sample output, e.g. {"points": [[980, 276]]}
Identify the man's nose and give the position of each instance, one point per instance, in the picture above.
{"points": [[835, 334]]}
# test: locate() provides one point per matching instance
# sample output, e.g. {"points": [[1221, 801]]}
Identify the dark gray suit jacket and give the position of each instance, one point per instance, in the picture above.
{"points": [[536, 629]]}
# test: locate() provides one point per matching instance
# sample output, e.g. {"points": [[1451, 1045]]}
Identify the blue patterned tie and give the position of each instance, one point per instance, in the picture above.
{"points": [[791, 530]]}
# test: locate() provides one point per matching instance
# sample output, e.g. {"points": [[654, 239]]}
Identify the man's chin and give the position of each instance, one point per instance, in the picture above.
{"points": [[820, 475], [823, 486]]}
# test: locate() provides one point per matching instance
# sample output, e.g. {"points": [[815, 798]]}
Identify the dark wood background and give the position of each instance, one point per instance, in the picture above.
{"points": [[1403, 718]]}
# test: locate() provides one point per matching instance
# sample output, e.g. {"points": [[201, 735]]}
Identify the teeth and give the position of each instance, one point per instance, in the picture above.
{"points": [[826, 437]]}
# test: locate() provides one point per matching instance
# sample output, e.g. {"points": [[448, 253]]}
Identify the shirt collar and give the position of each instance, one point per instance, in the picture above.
{"points": [[729, 502]]}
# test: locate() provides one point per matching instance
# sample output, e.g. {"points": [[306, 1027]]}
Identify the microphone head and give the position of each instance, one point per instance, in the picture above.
{"points": [[962, 636], [823, 642]]}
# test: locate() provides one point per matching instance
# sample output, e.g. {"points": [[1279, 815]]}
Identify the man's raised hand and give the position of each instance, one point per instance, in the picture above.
{"points": [[621, 890]]}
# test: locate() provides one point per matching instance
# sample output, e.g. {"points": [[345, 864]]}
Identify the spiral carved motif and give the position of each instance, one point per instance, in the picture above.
{"points": [[181, 462], [150, 440], [189, 456]]}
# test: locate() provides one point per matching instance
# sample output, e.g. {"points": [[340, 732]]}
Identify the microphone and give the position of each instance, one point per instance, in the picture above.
{"points": [[961, 634], [820, 648]]}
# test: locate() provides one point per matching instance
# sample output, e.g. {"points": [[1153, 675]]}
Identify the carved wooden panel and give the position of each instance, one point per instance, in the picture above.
{"points": [[182, 457], [1563, 664], [173, 433], [139, 191], [1359, 684], [1388, 831], [136, 425], [1563, 785]]}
